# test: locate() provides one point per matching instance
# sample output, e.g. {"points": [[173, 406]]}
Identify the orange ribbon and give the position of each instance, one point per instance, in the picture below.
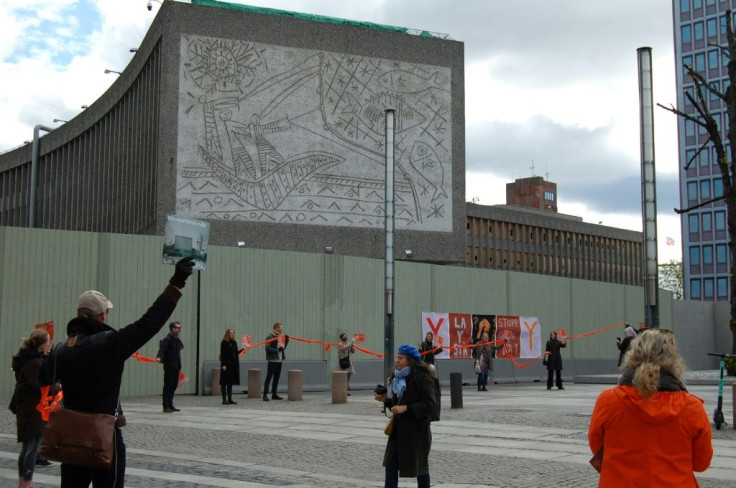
{"points": [[47, 404]]}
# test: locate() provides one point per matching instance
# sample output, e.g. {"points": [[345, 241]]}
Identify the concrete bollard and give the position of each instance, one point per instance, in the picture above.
{"points": [[294, 391], [216, 390], [456, 390], [339, 387], [254, 383]]}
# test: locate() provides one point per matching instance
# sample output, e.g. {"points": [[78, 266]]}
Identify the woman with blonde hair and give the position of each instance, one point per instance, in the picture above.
{"points": [[27, 395], [648, 430], [229, 366]]}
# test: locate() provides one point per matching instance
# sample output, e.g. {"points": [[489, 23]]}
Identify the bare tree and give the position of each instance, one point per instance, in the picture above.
{"points": [[670, 278], [701, 116]]}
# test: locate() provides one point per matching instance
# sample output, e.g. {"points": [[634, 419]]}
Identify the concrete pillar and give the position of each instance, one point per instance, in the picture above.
{"points": [[294, 391], [339, 387], [456, 390], [254, 383], [216, 381]]}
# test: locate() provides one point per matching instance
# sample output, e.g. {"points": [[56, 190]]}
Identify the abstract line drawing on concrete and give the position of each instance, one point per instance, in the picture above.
{"points": [[276, 134]]}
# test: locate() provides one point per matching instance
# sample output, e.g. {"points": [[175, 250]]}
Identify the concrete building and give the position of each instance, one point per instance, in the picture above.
{"points": [[509, 237], [270, 126], [698, 25]]}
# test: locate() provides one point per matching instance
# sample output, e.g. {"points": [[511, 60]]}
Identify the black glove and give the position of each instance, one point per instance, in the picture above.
{"points": [[183, 270]]}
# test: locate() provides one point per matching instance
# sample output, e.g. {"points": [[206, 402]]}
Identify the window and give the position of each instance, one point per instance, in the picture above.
{"points": [[693, 223], [717, 187], [705, 190], [700, 62], [687, 61], [694, 256], [697, 4], [698, 31], [711, 27], [703, 157], [707, 222], [713, 60], [722, 284], [715, 87], [549, 195], [707, 254], [721, 254], [689, 128], [686, 33], [692, 191], [689, 155], [720, 220], [710, 3], [695, 289], [708, 288], [723, 24], [684, 5]]}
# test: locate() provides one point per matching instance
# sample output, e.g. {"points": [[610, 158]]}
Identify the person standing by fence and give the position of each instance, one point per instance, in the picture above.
{"points": [[229, 366], [26, 396]]}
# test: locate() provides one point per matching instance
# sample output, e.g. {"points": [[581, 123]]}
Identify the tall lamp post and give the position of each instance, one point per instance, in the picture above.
{"points": [[34, 174], [648, 188], [388, 332]]}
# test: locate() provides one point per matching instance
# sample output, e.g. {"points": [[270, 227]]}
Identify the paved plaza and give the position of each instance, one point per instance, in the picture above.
{"points": [[515, 435]]}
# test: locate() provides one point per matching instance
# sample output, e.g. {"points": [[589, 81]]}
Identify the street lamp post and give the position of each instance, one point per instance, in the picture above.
{"points": [[34, 174]]}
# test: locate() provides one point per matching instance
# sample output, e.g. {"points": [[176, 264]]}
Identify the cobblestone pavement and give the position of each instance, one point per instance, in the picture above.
{"points": [[512, 436]]}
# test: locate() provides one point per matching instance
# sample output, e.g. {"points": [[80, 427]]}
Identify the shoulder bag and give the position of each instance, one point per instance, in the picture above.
{"points": [[390, 425], [345, 362], [79, 438]]}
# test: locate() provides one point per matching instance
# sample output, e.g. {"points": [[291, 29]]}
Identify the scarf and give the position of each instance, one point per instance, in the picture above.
{"points": [[667, 382], [398, 384]]}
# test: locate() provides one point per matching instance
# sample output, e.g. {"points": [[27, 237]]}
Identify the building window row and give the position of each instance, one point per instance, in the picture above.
{"points": [[703, 289], [552, 251]]}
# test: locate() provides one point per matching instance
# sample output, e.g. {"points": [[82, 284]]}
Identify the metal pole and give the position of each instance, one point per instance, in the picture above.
{"points": [[199, 295], [388, 332], [34, 174], [648, 188]]}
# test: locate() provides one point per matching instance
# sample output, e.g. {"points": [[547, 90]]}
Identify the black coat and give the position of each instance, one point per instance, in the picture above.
{"points": [[429, 357], [411, 436], [90, 362], [554, 359], [229, 358], [169, 351], [27, 394]]}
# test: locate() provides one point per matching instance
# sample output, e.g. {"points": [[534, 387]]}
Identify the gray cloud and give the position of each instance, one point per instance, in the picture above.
{"points": [[583, 163], [543, 41]]}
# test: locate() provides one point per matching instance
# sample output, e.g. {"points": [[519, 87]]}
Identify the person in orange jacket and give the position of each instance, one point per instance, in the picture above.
{"points": [[651, 431]]}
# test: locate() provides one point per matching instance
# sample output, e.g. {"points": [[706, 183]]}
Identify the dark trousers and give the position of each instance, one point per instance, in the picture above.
{"points": [[226, 390], [73, 476], [483, 379], [274, 371], [392, 474], [171, 378], [27, 458], [558, 373]]}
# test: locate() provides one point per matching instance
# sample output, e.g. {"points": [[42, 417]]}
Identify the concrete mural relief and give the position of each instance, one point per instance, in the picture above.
{"points": [[285, 135]]}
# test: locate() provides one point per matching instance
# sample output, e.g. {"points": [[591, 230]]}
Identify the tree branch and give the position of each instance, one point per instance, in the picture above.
{"points": [[702, 204]]}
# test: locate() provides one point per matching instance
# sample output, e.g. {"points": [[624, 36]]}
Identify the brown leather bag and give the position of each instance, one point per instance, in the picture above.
{"points": [[79, 438]]}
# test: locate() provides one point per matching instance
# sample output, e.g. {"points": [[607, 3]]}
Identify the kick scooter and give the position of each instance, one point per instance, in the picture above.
{"points": [[718, 413]]}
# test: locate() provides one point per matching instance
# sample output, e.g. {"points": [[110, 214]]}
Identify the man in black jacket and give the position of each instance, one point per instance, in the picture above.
{"points": [[90, 363], [169, 353]]}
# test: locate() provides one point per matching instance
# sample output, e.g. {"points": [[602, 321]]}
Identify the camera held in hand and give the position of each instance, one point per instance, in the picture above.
{"points": [[380, 390]]}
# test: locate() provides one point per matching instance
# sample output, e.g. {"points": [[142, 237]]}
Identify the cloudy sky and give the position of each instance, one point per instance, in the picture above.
{"points": [[549, 85]]}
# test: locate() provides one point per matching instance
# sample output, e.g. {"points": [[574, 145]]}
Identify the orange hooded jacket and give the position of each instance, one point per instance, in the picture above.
{"points": [[650, 443]]}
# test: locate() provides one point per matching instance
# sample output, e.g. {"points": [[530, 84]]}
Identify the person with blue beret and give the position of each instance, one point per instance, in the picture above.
{"points": [[412, 399]]}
